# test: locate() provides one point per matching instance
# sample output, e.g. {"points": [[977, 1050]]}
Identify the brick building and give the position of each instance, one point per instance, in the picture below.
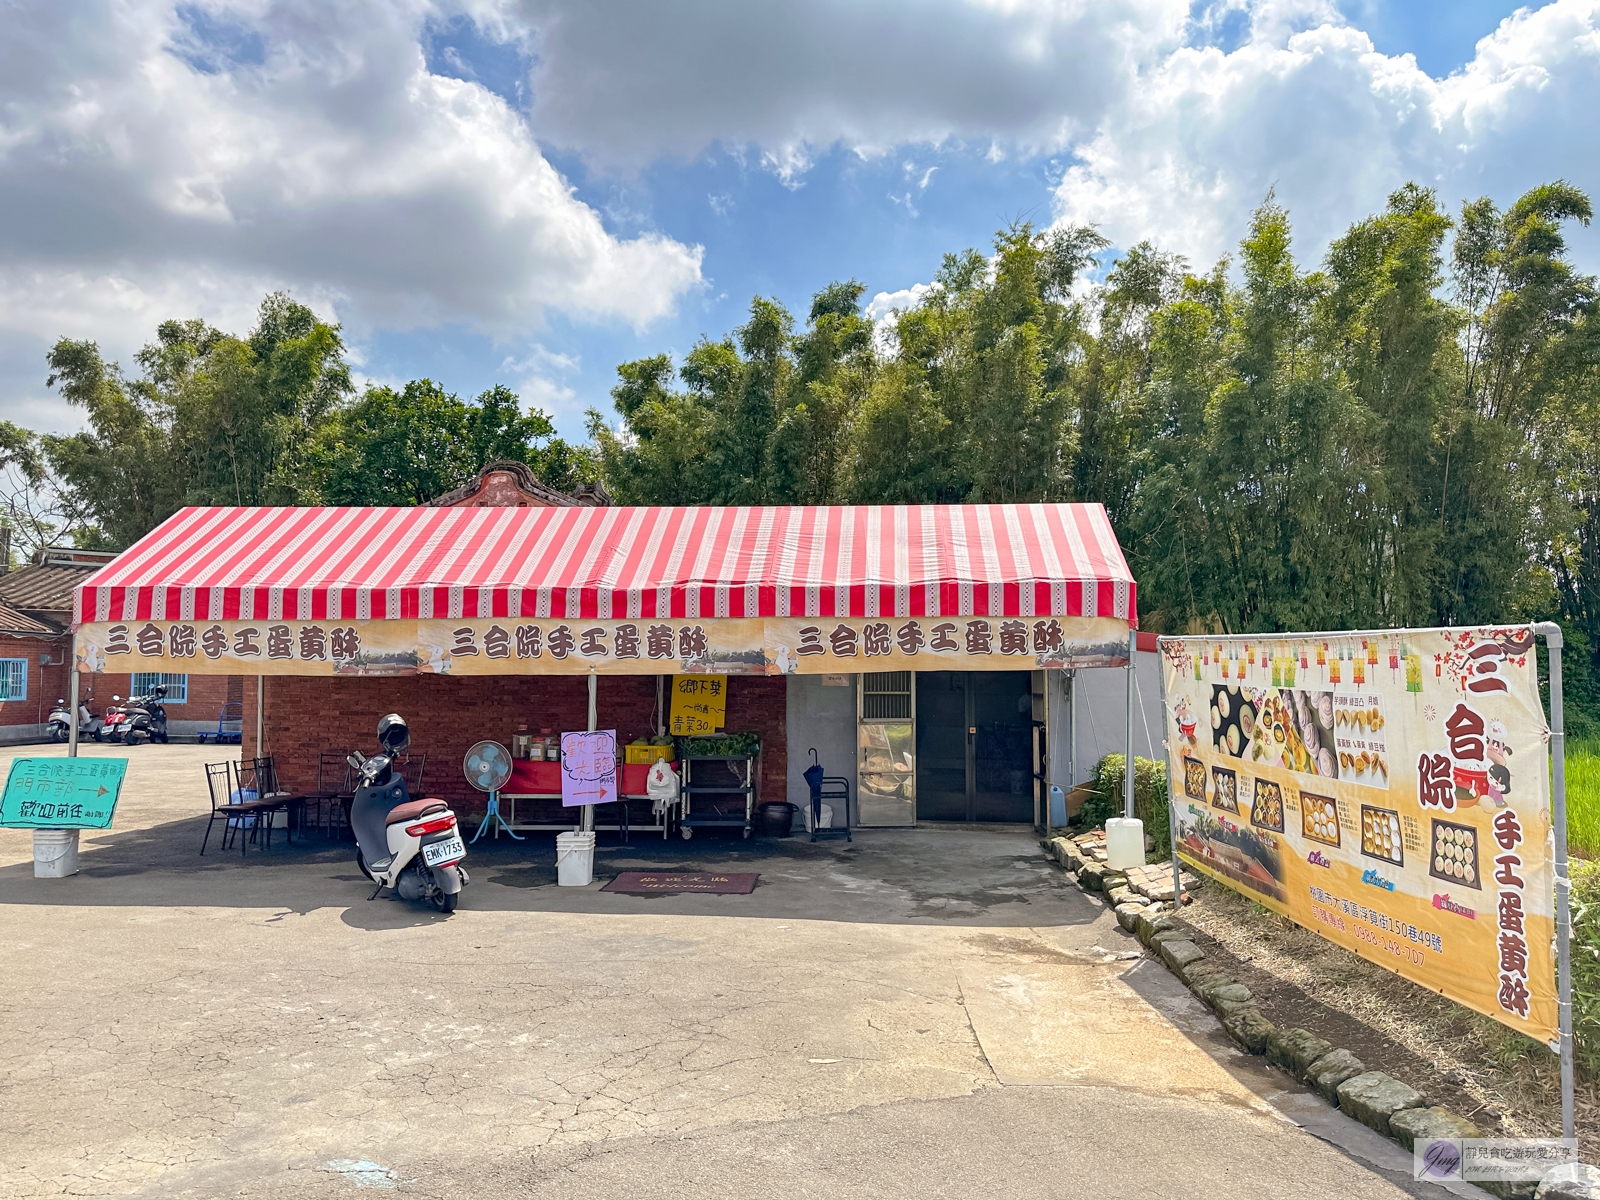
{"points": [[36, 643], [921, 651]]}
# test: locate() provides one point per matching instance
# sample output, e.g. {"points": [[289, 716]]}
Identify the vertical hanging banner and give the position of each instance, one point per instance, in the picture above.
{"points": [[1389, 791]]}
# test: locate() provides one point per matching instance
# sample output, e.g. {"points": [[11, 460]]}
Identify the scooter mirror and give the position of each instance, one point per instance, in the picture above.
{"points": [[354, 760], [116, 699]]}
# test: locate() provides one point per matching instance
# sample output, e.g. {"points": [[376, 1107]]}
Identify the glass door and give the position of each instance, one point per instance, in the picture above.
{"points": [[942, 759], [974, 746], [886, 765]]}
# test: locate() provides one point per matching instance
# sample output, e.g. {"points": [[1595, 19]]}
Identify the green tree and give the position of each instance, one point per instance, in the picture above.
{"points": [[406, 447]]}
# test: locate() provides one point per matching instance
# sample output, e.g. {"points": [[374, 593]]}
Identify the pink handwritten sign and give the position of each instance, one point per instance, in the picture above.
{"points": [[589, 767]]}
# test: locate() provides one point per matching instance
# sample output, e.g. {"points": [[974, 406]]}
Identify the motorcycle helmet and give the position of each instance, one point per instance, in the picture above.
{"points": [[393, 735], [159, 690]]}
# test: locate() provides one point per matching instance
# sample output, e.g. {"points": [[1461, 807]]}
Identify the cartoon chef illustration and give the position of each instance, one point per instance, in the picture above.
{"points": [[1499, 771], [1184, 711]]}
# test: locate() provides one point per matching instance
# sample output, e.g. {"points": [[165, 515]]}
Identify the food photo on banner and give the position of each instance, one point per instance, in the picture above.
{"points": [[1389, 791]]}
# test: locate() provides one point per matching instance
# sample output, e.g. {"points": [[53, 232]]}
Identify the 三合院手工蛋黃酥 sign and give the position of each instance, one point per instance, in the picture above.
{"points": [[61, 793]]}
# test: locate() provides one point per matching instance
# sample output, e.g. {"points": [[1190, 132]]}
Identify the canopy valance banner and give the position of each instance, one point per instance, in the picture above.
{"points": [[502, 646], [1389, 791]]}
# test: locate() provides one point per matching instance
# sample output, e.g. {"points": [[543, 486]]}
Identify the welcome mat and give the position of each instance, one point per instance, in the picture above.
{"points": [[713, 882]]}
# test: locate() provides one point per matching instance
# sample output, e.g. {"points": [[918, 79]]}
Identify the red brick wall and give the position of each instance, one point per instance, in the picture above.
{"points": [[305, 717], [45, 684]]}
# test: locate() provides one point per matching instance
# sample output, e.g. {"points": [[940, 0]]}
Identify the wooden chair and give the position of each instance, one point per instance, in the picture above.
{"points": [[220, 786]]}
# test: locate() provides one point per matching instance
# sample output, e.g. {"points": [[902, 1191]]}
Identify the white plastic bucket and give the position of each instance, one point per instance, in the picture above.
{"points": [[55, 853], [1124, 843], [812, 821], [574, 859]]}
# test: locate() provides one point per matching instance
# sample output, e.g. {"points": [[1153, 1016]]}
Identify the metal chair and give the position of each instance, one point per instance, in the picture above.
{"points": [[260, 775], [334, 788], [413, 785], [235, 816], [828, 787]]}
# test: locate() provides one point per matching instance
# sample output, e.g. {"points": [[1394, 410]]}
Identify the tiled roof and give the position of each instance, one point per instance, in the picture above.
{"points": [[47, 588], [12, 621]]}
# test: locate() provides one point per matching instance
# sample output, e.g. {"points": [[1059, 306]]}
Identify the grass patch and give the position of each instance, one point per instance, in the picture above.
{"points": [[1583, 798]]}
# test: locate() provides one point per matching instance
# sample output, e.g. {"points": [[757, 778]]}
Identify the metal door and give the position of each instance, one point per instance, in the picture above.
{"points": [[975, 746]]}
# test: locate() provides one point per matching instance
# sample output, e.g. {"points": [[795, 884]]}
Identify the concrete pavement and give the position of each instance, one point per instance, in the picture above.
{"points": [[919, 1013]]}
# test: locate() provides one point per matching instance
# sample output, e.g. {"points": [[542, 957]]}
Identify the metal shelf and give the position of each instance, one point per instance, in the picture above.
{"points": [[714, 818]]}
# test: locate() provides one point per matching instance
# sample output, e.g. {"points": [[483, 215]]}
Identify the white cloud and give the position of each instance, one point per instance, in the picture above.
{"points": [[160, 160], [885, 305], [630, 81], [1335, 126]]}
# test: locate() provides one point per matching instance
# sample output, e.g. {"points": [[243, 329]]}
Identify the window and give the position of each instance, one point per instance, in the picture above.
{"points": [[177, 686], [13, 679], [886, 696]]}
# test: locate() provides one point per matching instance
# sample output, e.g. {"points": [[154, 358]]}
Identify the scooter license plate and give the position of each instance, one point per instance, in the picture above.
{"points": [[442, 852]]}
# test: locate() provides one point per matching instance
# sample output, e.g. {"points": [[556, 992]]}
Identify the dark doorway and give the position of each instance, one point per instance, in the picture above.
{"points": [[974, 753]]}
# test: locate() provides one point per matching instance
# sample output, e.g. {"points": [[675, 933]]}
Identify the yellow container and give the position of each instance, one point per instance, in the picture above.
{"points": [[637, 755]]}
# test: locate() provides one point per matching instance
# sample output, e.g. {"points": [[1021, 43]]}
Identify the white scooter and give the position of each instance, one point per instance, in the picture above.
{"points": [[59, 727], [411, 846]]}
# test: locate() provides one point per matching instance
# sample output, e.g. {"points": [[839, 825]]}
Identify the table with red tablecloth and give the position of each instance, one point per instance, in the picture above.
{"points": [[540, 782]]}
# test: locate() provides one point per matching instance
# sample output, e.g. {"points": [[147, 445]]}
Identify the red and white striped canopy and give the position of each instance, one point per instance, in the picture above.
{"points": [[329, 564]]}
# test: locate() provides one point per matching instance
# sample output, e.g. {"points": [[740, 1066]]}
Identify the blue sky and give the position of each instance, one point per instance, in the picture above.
{"points": [[529, 192]]}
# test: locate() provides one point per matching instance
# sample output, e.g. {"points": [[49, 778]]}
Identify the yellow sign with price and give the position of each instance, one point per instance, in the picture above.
{"points": [[699, 704]]}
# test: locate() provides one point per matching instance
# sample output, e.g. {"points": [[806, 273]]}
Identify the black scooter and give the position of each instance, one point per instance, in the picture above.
{"points": [[144, 718]]}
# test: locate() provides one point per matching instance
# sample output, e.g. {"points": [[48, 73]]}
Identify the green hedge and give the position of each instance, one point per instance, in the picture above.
{"points": [[1149, 797]]}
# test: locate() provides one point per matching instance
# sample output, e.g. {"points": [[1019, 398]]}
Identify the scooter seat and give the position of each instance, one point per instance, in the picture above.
{"points": [[413, 809]]}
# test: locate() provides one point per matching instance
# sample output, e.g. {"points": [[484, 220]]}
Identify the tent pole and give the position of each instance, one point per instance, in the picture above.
{"points": [[261, 699], [1166, 757], [72, 695], [1558, 808], [594, 684], [1127, 772]]}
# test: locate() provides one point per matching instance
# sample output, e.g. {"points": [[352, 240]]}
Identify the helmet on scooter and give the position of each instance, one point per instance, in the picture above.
{"points": [[393, 735]]}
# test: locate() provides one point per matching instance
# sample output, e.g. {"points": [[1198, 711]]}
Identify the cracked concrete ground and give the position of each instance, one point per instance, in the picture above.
{"points": [[917, 1013]]}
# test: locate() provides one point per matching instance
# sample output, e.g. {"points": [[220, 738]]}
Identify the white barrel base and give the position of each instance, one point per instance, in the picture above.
{"points": [[55, 853], [574, 859], [1124, 843]]}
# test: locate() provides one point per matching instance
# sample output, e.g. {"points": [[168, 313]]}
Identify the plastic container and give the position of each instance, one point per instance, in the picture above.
{"points": [[522, 743], [574, 859], [1058, 806], [826, 821], [645, 755], [1124, 843], [55, 853]]}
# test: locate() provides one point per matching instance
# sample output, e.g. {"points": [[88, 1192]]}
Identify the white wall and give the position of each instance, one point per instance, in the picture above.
{"points": [[824, 716], [1102, 726]]}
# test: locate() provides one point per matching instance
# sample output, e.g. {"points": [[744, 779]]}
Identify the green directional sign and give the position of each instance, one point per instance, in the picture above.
{"points": [[61, 793]]}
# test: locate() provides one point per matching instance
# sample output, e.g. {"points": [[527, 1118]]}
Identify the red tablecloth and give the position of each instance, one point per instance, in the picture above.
{"points": [[529, 778]]}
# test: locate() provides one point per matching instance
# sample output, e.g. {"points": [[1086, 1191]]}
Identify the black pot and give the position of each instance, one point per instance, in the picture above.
{"points": [[775, 819]]}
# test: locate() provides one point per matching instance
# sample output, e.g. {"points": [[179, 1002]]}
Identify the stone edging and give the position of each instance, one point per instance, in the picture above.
{"points": [[1379, 1101]]}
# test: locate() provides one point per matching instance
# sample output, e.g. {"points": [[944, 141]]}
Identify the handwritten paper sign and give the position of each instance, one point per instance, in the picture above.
{"points": [[589, 767], [62, 793], [699, 704]]}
